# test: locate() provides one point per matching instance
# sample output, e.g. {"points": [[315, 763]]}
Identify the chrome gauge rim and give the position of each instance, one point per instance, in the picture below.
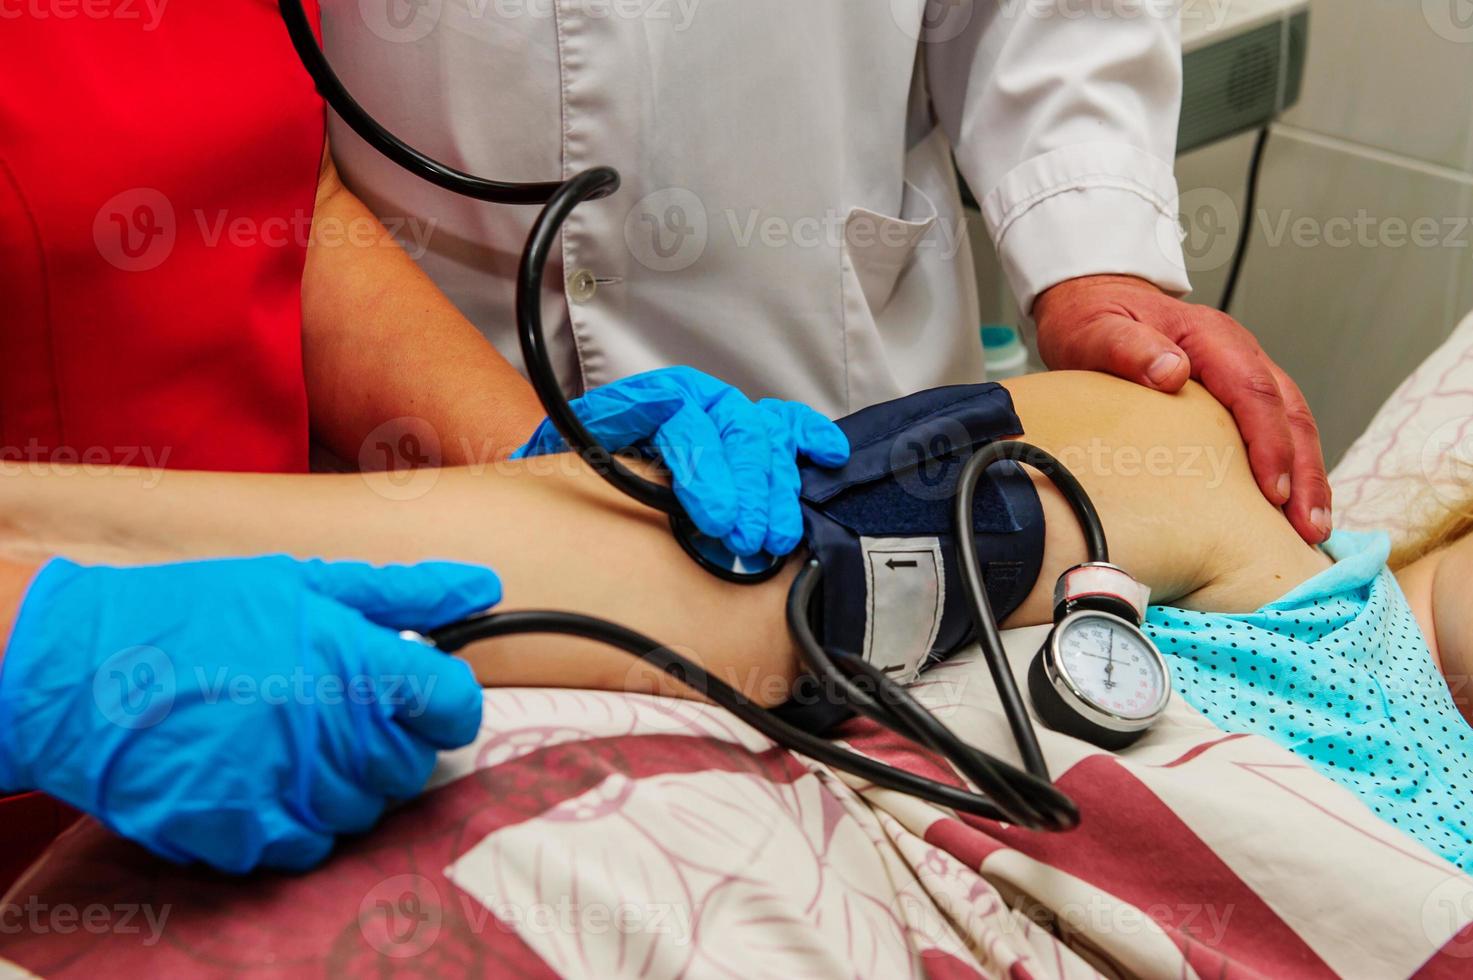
{"points": [[1076, 698]]}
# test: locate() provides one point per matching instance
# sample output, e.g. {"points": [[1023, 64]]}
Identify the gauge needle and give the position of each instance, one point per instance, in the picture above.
{"points": [[1110, 664]]}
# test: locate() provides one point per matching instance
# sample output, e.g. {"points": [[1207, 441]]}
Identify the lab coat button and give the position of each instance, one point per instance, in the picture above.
{"points": [[581, 286]]}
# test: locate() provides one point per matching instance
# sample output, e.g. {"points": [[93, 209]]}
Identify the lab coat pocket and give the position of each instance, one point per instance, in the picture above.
{"points": [[878, 251], [878, 247]]}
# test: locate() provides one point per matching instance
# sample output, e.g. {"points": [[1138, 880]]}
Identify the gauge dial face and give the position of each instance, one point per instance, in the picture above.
{"points": [[1112, 665]]}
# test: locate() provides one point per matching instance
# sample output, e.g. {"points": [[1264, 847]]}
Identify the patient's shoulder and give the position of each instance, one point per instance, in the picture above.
{"points": [[1064, 397], [1171, 468]]}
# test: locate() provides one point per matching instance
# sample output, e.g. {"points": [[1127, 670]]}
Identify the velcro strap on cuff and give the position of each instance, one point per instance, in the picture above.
{"points": [[1101, 580]]}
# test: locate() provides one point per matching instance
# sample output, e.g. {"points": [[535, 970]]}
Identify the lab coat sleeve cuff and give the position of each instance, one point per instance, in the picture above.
{"points": [[1083, 210]]}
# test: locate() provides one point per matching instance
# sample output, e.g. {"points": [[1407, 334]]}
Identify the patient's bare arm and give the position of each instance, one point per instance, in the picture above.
{"points": [[1191, 524], [1436, 587], [559, 537]]}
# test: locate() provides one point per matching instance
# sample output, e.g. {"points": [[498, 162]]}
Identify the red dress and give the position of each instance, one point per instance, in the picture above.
{"points": [[157, 179]]}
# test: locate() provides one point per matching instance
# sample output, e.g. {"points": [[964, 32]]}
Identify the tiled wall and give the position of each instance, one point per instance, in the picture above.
{"points": [[1361, 257]]}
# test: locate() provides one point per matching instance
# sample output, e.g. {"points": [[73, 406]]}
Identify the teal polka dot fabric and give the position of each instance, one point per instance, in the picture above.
{"points": [[1337, 671]]}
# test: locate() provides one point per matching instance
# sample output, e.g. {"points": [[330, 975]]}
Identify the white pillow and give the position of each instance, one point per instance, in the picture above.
{"points": [[1415, 460]]}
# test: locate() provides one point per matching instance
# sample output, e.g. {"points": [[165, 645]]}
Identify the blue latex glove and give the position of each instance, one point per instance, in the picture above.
{"points": [[240, 713], [733, 463]]}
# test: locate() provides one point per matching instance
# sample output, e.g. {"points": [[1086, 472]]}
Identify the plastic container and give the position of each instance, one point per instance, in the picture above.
{"points": [[1004, 350]]}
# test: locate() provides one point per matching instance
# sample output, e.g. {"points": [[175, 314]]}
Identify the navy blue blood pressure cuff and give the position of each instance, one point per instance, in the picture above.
{"points": [[881, 529]]}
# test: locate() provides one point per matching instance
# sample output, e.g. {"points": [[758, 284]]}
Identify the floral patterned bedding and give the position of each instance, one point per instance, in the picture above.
{"points": [[601, 835]]}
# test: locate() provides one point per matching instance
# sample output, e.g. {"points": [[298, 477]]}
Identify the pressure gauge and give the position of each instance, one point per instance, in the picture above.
{"points": [[1097, 676]]}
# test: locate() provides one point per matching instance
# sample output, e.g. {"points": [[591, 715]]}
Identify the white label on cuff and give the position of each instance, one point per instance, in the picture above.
{"points": [[905, 586]]}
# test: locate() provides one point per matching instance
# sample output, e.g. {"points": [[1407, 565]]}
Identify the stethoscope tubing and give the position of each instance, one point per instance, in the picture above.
{"points": [[586, 186], [558, 199], [336, 94], [1026, 798], [988, 635], [456, 636], [897, 709]]}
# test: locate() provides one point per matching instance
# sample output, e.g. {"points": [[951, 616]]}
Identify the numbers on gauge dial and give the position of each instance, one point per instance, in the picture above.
{"points": [[1112, 666]]}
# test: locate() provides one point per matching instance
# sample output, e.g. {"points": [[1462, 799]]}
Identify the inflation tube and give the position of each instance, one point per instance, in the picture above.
{"points": [[975, 589], [454, 637]]}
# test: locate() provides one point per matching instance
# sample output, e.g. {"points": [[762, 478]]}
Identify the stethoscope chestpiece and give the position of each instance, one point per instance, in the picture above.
{"points": [[719, 560]]}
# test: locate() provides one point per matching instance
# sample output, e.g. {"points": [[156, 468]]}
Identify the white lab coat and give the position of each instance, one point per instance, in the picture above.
{"points": [[789, 216]]}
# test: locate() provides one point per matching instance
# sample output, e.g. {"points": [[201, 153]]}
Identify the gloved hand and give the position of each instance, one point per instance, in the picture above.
{"points": [[241, 712], [733, 463]]}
